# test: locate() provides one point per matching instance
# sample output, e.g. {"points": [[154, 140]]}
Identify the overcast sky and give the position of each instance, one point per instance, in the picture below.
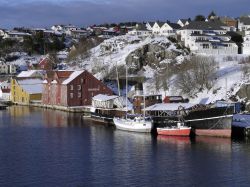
{"points": [[40, 13]]}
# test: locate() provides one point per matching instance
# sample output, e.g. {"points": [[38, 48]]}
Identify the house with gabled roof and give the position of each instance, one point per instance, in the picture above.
{"points": [[230, 22], [3, 68], [183, 22], [140, 30], [46, 64], [246, 43], [208, 37], [31, 74], [16, 35], [165, 28], [149, 25], [244, 23], [71, 88], [25, 91]]}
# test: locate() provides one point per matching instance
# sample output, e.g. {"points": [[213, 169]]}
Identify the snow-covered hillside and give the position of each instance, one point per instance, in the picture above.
{"points": [[113, 52]]}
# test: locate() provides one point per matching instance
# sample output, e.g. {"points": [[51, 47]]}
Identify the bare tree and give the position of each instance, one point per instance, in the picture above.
{"points": [[196, 74]]}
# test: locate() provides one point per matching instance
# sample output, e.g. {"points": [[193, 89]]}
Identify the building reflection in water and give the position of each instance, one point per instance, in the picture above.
{"points": [[34, 116]]}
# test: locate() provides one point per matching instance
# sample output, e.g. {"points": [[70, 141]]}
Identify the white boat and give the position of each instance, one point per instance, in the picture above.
{"points": [[138, 124]]}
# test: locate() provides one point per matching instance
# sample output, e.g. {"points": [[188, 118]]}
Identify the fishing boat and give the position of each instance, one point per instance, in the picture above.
{"points": [[204, 120], [179, 130]]}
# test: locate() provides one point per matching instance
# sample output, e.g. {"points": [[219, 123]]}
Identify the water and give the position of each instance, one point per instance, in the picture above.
{"points": [[41, 147]]}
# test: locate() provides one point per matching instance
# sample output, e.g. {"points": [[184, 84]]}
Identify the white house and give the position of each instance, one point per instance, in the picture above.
{"points": [[140, 30], [57, 28], [149, 25], [67, 29], [246, 43], [15, 35], [12, 69], [183, 22], [3, 68], [5, 91], [208, 37], [165, 28], [2, 32], [79, 33], [243, 23]]}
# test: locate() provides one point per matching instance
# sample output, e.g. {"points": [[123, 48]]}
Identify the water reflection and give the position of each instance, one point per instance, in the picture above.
{"points": [[178, 140], [84, 153], [37, 117], [222, 145]]}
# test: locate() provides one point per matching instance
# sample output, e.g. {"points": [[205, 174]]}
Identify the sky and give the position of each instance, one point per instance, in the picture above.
{"points": [[82, 13]]}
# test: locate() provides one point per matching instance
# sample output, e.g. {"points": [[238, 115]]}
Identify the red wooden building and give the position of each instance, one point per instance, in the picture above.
{"points": [[71, 88], [46, 64]]}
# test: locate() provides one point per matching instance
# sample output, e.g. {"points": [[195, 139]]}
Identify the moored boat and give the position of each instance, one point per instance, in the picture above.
{"points": [[138, 124], [204, 120], [179, 130]]}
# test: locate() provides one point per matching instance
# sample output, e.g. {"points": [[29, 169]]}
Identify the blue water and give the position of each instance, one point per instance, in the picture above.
{"points": [[41, 147]]}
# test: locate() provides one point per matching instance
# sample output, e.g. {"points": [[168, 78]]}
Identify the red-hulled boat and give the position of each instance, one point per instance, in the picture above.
{"points": [[179, 130]]}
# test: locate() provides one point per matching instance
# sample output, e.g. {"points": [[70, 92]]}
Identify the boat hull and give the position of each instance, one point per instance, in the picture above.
{"points": [[220, 126], [174, 131], [133, 126]]}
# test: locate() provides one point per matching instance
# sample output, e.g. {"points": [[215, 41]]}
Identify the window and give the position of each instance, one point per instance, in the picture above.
{"points": [[79, 87], [205, 46], [79, 94], [71, 87], [71, 95]]}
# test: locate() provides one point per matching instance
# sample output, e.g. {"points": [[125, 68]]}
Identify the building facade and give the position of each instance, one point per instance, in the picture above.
{"points": [[71, 88]]}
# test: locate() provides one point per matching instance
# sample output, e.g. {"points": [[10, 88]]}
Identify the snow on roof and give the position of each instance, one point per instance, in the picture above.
{"points": [[29, 73], [168, 106], [102, 97], [31, 86], [72, 77], [54, 82]]}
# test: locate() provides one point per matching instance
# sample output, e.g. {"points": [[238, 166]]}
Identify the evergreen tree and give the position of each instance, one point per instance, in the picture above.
{"points": [[199, 18]]}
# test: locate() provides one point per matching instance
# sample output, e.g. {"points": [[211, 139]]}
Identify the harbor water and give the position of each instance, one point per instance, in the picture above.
{"points": [[41, 147]]}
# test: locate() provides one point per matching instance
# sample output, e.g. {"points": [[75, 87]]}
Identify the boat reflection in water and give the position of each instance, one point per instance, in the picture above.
{"points": [[174, 139], [222, 145]]}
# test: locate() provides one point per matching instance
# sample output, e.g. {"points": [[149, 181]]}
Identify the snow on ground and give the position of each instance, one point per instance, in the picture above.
{"points": [[24, 60], [229, 80], [114, 51]]}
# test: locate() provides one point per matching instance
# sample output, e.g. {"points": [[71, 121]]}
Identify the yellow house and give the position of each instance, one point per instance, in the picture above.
{"points": [[23, 91]]}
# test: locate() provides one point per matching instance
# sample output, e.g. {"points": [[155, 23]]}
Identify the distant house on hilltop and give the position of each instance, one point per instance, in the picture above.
{"points": [[140, 30], [46, 64], [230, 22], [15, 35], [183, 22], [246, 43], [244, 23], [208, 37]]}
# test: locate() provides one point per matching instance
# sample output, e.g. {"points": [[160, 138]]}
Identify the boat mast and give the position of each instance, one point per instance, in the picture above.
{"points": [[117, 77], [126, 90], [144, 105]]}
